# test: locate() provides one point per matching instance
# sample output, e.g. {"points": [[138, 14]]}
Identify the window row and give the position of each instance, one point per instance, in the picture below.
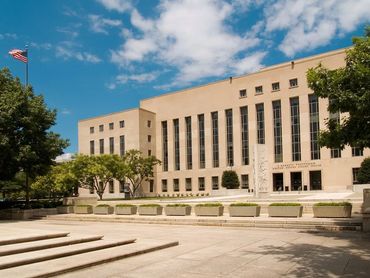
{"points": [[111, 126], [293, 83], [111, 146]]}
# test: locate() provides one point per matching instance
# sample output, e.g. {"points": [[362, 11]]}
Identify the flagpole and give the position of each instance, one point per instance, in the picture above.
{"points": [[27, 66]]}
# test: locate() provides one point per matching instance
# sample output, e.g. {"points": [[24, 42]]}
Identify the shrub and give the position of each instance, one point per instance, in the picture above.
{"points": [[230, 179], [178, 205], [333, 204], [103, 205], [84, 206], [244, 205], [364, 172], [209, 205], [124, 205], [285, 205], [150, 205]]}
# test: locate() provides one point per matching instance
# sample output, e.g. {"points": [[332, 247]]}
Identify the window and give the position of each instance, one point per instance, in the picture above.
{"points": [[101, 128], [259, 90], [189, 155], [176, 185], [293, 83], [229, 137], [121, 187], [355, 175], [92, 130], [215, 148], [296, 181], [101, 146], [215, 184], [245, 181], [111, 145], [278, 139], [111, 187], [111, 126], [334, 117], [121, 124], [243, 93], [315, 180], [295, 129], [188, 184], [149, 152], [314, 126], [92, 147], [245, 138], [176, 139], [201, 185], [202, 150], [122, 145], [164, 185], [335, 153], [149, 138], [277, 181], [164, 146], [260, 123], [357, 151], [151, 186], [275, 86], [149, 123], [91, 189]]}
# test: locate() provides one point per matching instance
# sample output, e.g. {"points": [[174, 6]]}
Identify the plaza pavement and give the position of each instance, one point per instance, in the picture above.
{"points": [[220, 251]]}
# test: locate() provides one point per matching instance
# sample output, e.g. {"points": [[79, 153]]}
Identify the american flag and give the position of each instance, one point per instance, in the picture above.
{"points": [[19, 55]]}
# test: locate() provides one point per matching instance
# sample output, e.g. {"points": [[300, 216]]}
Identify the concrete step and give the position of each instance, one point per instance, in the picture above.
{"points": [[59, 252], [76, 262], [14, 240], [45, 244]]}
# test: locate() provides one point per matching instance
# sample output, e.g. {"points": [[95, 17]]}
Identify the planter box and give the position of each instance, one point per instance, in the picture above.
{"points": [[285, 211], [332, 211], [244, 211], [126, 210], [41, 212], [150, 210], [83, 210], [65, 209], [103, 210], [177, 211], [209, 211]]}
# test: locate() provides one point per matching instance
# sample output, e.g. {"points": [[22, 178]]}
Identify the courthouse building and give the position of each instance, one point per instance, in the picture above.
{"points": [[263, 125]]}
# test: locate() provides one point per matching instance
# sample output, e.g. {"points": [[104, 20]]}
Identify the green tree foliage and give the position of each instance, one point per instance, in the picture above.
{"points": [[348, 89], [26, 144], [230, 179], [364, 172], [139, 169]]}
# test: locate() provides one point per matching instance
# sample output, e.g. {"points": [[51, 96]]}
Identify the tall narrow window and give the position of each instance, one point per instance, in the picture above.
{"points": [[176, 185], [188, 184], [164, 185], [202, 150], [101, 146], [295, 126], [111, 145], [122, 145], [91, 129], [101, 128], [229, 137], [278, 139], [201, 184], [335, 152], [176, 139], [314, 126], [215, 151], [111, 126], [245, 181], [111, 187], [260, 111], [215, 183], [356, 151], [164, 146], [92, 147], [244, 130], [189, 149]]}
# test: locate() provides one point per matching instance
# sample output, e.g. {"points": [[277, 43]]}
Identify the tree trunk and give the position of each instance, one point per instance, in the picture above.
{"points": [[100, 196], [27, 191]]}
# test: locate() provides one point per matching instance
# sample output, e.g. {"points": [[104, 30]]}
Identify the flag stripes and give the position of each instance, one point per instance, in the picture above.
{"points": [[19, 55]]}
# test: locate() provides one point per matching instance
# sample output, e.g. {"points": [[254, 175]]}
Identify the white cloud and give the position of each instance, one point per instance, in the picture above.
{"points": [[68, 50], [116, 5], [71, 32], [42, 46], [8, 36], [65, 111], [311, 24], [99, 24], [138, 78]]}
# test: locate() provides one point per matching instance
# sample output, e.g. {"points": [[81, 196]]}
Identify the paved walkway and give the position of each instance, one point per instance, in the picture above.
{"points": [[222, 252]]}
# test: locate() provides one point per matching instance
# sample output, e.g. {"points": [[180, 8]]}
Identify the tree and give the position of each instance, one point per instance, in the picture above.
{"points": [[139, 168], [348, 90], [230, 179], [364, 172], [26, 144]]}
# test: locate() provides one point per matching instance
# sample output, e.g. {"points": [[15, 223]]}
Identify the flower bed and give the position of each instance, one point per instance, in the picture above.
{"points": [[285, 210], [332, 210], [126, 209], [150, 209], [244, 210], [209, 209], [178, 210]]}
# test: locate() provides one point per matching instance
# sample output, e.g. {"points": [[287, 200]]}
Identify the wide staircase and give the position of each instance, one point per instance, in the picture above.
{"points": [[53, 253]]}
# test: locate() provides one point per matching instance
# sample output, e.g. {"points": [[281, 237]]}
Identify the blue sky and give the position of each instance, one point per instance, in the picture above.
{"points": [[95, 57]]}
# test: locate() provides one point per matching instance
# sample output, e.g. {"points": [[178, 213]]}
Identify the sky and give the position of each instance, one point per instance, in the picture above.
{"points": [[90, 58]]}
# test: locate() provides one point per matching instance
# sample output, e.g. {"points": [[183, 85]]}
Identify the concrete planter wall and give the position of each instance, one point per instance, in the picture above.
{"points": [[332, 211], [44, 211], [177, 211], [17, 214], [103, 210], [150, 210], [126, 210], [83, 210], [65, 209], [209, 211], [244, 211], [285, 211]]}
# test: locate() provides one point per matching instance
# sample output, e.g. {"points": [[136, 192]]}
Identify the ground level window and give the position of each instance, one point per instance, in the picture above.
{"points": [[296, 181], [245, 181], [201, 184], [278, 182], [121, 187], [151, 185], [176, 185], [188, 184], [164, 185], [355, 175], [111, 187], [91, 189], [315, 180], [215, 183]]}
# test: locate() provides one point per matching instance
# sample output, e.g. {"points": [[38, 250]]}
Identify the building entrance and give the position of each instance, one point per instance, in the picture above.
{"points": [[296, 181], [315, 180], [278, 181]]}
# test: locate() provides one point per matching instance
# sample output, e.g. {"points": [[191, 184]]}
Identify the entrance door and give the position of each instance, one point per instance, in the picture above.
{"points": [[315, 180], [296, 181], [278, 182]]}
